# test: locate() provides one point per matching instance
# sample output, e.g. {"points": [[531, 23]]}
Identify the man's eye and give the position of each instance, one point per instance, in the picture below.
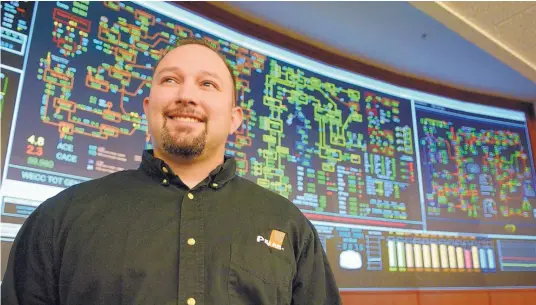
{"points": [[169, 80], [208, 84]]}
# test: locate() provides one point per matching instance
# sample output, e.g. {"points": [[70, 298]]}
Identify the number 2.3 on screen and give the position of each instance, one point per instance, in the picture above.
{"points": [[35, 146]]}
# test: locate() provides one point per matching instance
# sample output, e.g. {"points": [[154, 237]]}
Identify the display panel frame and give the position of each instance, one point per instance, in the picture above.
{"points": [[313, 65]]}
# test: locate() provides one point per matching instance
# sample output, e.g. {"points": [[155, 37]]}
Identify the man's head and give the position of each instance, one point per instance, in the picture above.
{"points": [[191, 107]]}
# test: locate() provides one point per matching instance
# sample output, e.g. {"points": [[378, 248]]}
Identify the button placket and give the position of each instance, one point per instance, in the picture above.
{"points": [[165, 181], [191, 256]]}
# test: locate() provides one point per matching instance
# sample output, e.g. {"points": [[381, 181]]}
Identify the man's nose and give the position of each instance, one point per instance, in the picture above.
{"points": [[188, 93]]}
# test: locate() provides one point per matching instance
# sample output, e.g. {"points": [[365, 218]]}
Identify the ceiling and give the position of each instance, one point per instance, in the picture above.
{"points": [[480, 46], [506, 30]]}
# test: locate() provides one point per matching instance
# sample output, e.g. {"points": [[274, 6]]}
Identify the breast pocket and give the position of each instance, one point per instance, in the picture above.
{"points": [[259, 274]]}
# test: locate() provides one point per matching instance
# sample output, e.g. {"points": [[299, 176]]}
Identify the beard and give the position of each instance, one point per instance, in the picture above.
{"points": [[189, 146]]}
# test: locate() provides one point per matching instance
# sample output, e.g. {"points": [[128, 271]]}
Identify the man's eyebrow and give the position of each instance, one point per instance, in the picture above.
{"points": [[167, 69], [214, 75]]}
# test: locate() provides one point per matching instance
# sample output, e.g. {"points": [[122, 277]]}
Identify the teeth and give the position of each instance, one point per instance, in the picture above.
{"points": [[185, 119]]}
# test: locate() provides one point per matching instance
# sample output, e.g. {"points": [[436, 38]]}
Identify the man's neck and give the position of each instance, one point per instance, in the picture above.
{"points": [[191, 171]]}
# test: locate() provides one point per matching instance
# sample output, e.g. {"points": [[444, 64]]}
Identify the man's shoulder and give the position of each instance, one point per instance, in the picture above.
{"points": [[82, 192], [257, 191], [269, 201], [109, 182]]}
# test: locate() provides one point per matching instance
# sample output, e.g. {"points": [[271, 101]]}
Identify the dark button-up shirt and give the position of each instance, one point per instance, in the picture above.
{"points": [[143, 237]]}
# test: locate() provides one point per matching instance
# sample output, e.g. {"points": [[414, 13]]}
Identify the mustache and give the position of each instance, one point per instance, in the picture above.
{"points": [[184, 111]]}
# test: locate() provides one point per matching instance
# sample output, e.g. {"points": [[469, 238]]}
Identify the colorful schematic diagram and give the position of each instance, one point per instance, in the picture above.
{"points": [[90, 68], [477, 173], [388, 258], [425, 253], [340, 152], [15, 19]]}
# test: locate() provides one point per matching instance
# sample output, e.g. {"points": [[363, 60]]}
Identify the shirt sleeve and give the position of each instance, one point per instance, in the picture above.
{"points": [[30, 275], [314, 283]]}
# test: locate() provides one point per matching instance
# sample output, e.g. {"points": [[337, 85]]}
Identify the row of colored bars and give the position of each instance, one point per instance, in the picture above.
{"points": [[434, 257]]}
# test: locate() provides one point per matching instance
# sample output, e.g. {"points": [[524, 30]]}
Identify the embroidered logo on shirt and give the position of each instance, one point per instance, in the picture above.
{"points": [[275, 241]]}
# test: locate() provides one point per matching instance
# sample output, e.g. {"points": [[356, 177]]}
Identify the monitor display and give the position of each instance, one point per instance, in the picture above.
{"points": [[407, 190]]}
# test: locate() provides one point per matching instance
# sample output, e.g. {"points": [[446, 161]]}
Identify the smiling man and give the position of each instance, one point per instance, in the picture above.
{"points": [[183, 228], [191, 110]]}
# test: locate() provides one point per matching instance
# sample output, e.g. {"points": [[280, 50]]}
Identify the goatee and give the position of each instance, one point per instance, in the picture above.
{"points": [[186, 147]]}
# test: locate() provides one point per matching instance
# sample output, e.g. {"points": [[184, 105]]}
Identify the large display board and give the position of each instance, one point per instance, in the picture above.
{"points": [[407, 190]]}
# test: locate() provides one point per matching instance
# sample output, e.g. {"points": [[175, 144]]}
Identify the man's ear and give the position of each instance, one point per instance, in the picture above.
{"points": [[146, 106], [237, 116]]}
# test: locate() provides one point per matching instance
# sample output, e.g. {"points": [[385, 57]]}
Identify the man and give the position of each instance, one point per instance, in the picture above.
{"points": [[183, 228]]}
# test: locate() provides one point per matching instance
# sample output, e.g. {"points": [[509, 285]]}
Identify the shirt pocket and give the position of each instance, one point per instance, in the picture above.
{"points": [[259, 274]]}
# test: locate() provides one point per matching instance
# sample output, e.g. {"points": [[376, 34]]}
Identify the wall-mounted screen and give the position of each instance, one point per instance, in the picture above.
{"points": [[407, 190]]}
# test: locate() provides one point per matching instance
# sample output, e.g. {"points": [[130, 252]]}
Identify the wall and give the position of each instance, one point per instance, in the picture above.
{"points": [[498, 297], [481, 297]]}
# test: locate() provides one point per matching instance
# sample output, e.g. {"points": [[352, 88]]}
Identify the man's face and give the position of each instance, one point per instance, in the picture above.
{"points": [[190, 107]]}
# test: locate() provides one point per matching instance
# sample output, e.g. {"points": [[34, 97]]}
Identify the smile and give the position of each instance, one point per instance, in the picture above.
{"points": [[185, 119]]}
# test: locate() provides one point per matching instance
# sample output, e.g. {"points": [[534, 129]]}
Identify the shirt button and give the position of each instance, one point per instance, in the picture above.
{"points": [[190, 195], [165, 170], [191, 241], [191, 301]]}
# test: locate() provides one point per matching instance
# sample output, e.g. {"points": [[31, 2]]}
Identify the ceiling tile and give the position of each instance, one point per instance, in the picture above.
{"points": [[519, 33], [489, 13]]}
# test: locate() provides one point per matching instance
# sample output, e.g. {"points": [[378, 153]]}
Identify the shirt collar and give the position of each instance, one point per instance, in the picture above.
{"points": [[157, 168]]}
